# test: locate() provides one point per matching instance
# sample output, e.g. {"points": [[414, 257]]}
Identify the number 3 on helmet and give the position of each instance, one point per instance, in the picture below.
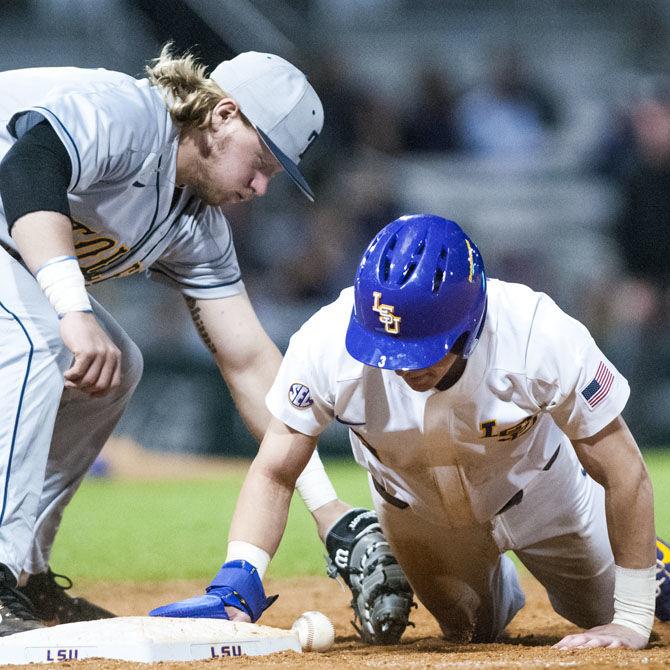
{"points": [[420, 288]]}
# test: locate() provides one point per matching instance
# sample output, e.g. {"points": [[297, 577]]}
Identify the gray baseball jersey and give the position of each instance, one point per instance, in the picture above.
{"points": [[123, 149], [122, 146]]}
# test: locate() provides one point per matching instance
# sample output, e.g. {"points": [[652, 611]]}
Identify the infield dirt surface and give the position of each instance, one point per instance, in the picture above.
{"points": [[528, 642]]}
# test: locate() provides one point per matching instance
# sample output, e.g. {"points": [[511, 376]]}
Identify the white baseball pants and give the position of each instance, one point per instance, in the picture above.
{"points": [[558, 531]]}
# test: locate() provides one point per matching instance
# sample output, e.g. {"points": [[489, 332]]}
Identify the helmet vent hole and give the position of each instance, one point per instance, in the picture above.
{"points": [[386, 269], [407, 272], [385, 258], [438, 279]]}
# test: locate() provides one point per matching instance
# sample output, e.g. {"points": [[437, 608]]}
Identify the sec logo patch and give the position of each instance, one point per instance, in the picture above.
{"points": [[299, 396]]}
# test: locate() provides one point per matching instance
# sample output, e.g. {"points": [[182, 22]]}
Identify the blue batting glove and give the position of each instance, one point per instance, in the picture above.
{"points": [[237, 584]]}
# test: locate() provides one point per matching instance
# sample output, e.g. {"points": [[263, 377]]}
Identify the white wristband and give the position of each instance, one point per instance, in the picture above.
{"points": [[63, 284], [245, 551], [314, 485], [635, 598]]}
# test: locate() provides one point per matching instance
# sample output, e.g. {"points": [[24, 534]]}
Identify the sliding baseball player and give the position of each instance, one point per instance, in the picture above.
{"points": [[488, 420]]}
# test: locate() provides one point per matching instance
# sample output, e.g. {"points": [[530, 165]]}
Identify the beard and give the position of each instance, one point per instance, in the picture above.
{"points": [[209, 194], [201, 183], [205, 186]]}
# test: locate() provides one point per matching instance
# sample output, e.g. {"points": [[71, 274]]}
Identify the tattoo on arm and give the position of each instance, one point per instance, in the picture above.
{"points": [[200, 326]]}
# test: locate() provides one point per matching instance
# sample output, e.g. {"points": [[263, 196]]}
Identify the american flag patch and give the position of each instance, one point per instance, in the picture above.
{"points": [[598, 388]]}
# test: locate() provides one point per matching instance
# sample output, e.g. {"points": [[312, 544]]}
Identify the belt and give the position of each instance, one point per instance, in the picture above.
{"points": [[512, 502]]}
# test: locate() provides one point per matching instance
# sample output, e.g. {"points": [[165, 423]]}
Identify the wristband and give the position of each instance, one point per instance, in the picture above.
{"points": [[634, 598], [63, 284], [314, 485], [245, 551]]}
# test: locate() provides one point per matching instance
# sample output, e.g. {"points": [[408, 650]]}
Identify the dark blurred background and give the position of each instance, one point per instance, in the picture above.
{"points": [[542, 127]]}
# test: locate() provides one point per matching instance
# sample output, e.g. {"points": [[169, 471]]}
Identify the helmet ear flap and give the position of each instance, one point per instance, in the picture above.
{"points": [[459, 345]]}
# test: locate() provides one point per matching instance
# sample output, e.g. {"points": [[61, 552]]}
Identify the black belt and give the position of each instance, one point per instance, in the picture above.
{"points": [[512, 502]]}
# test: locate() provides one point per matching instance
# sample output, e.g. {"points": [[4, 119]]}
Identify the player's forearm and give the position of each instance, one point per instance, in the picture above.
{"points": [[262, 507], [45, 242], [245, 355], [41, 236], [613, 459], [630, 524], [318, 494], [261, 511], [248, 389], [630, 520]]}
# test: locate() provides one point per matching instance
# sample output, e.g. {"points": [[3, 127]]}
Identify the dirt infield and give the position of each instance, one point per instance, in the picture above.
{"points": [[528, 643]]}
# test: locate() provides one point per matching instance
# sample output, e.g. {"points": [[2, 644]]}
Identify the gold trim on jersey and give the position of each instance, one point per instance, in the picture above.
{"points": [[386, 316], [135, 267], [507, 434], [88, 244]]}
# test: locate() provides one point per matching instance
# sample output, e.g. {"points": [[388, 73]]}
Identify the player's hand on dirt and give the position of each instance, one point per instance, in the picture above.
{"points": [[236, 593], [97, 360], [610, 635], [208, 606]]}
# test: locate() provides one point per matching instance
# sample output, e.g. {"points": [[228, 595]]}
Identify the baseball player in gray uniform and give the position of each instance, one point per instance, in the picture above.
{"points": [[488, 420], [101, 176]]}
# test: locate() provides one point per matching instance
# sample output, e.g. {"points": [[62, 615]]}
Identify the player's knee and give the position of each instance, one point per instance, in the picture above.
{"points": [[132, 365]]}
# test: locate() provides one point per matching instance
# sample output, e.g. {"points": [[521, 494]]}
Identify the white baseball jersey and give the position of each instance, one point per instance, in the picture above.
{"points": [[535, 378], [123, 149]]}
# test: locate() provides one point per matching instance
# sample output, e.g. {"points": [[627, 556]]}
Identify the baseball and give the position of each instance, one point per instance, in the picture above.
{"points": [[315, 631]]}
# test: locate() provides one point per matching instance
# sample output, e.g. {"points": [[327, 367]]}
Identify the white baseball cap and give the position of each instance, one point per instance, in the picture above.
{"points": [[279, 102]]}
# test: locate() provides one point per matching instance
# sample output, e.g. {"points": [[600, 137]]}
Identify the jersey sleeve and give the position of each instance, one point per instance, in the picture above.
{"points": [[569, 376], [302, 394], [201, 261], [108, 129]]}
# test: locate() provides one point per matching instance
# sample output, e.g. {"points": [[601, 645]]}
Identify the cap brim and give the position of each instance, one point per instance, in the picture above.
{"points": [[390, 352], [289, 166]]}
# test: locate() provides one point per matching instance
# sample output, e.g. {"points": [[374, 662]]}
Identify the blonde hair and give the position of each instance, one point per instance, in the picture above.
{"points": [[189, 94]]}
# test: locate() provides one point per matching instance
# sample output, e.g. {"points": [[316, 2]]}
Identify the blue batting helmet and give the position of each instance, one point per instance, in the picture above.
{"points": [[420, 287]]}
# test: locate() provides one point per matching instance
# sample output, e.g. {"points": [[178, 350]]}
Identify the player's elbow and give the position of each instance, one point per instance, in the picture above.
{"points": [[277, 474], [631, 483]]}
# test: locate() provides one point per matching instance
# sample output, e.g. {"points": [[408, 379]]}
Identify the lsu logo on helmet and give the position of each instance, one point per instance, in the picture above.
{"points": [[386, 316], [299, 396]]}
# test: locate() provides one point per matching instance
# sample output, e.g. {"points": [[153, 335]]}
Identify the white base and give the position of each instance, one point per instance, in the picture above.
{"points": [[145, 639]]}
